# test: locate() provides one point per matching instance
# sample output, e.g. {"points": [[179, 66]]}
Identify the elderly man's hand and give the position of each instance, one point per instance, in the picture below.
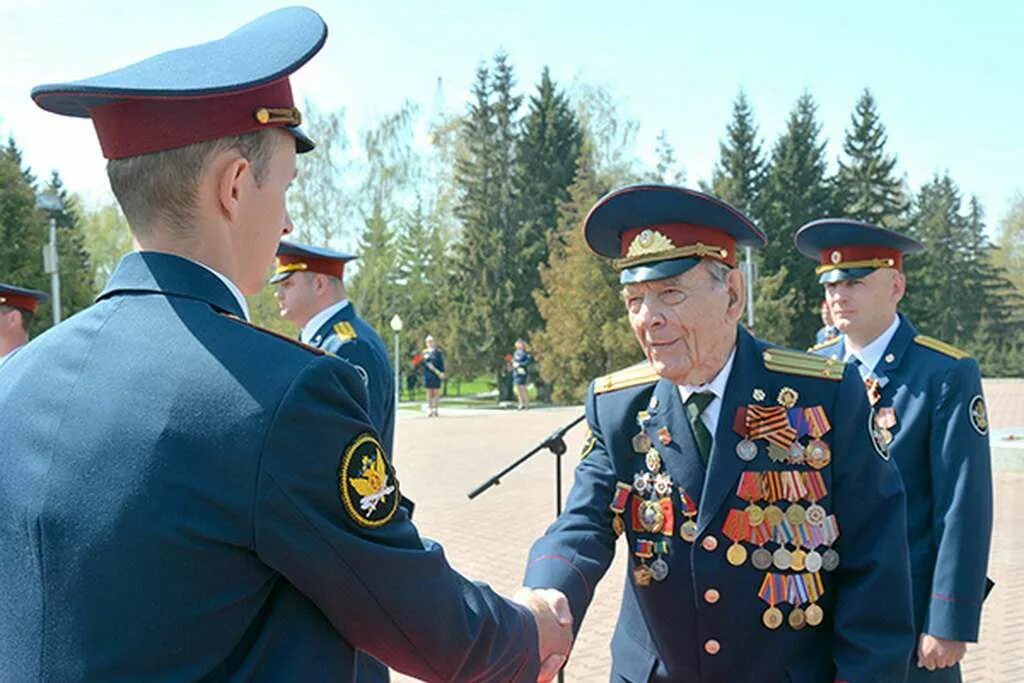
{"points": [[554, 627], [937, 653]]}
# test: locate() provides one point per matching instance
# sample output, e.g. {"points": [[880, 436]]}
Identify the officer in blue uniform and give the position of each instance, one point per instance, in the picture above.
{"points": [[18, 307], [521, 362], [433, 374], [764, 524], [185, 496], [311, 294], [928, 408]]}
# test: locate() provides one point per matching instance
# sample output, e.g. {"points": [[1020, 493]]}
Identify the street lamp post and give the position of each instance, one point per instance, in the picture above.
{"points": [[52, 204], [396, 326]]}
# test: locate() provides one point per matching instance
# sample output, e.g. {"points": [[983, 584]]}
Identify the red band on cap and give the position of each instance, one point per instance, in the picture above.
{"points": [[28, 303], [685, 235], [143, 125], [837, 256], [313, 264]]}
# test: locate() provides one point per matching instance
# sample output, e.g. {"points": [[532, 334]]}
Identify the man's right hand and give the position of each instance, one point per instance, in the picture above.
{"points": [[550, 610]]}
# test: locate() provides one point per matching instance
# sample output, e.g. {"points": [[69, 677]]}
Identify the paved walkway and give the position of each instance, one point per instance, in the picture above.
{"points": [[440, 460]]}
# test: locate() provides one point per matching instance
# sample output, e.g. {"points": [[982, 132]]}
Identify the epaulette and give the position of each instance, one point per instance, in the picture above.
{"points": [[634, 375], [290, 340], [824, 344], [800, 363], [941, 346], [345, 331]]}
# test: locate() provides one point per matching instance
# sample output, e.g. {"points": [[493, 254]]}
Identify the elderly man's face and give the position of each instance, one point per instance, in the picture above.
{"points": [[686, 324]]}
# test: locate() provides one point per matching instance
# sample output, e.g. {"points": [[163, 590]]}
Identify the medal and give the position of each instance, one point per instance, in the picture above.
{"points": [[736, 528], [782, 559], [659, 569], [773, 515], [641, 442], [662, 483], [777, 453], [812, 562], [618, 526], [652, 517], [830, 532], [746, 450], [688, 529], [813, 615], [830, 560], [772, 618], [796, 514], [812, 589], [642, 575], [797, 559], [818, 454], [755, 515], [761, 559], [796, 453], [787, 397], [618, 506], [797, 619], [750, 489], [736, 555], [814, 483], [653, 460], [773, 588], [642, 482], [664, 436]]}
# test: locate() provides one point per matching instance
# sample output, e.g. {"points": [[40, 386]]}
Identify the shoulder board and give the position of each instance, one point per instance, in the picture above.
{"points": [[634, 375], [296, 342], [800, 363], [345, 331], [825, 344], [941, 346]]}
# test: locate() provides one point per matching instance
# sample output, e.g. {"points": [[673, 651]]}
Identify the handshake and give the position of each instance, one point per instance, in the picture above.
{"points": [[551, 612]]}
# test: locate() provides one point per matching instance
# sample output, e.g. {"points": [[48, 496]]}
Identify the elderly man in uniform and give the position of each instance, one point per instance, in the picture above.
{"points": [[927, 407], [311, 294], [764, 524], [17, 311], [186, 496]]}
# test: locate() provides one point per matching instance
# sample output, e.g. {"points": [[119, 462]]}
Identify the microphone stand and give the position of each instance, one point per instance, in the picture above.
{"points": [[555, 443]]}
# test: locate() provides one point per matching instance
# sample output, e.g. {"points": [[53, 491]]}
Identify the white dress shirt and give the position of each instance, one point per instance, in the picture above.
{"points": [[314, 324], [235, 291], [871, 354], [717, 387]]}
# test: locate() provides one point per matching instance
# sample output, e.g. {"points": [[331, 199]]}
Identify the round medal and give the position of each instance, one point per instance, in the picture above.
{"points": [[796, 514], [815, 515], [688, 531], [653, 460], [797, 619], [618, 526], [761, 559], [773, 515], [659, 569], [797, 559], [829, 560], [818, 454], [813, 614], [754, 514], [782, 559], [772, 618], [651, 516], [642, 575], [812, 562], [642, 442], [746, 450], [736, 554]]}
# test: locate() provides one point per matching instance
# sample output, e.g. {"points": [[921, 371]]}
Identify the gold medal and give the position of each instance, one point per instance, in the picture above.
{"points": [[736, 555], [653, 460], [643, 575], [819, 455], [688, 531], [813, 615], [652, 518], [796, 514], [788, 397], [797, 619], [772, 618], [773, 514], [797, 559], [618, 526], [755, 514]]}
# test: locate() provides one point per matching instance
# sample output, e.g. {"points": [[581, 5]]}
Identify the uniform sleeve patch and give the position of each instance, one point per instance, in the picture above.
{"points": [[979, 415], [878, 436], [588, 444], [367, 484]]}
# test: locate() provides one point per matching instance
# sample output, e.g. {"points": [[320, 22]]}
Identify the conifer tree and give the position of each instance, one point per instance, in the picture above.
{"points": [[796, 191], [866, 185], [23, 230], [77, 289], [739, 173]]}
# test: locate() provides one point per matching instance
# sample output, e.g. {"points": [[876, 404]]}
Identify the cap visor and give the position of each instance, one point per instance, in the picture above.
{"points": [[840, 275], [656, 271], [303, 143], [281, 277]]}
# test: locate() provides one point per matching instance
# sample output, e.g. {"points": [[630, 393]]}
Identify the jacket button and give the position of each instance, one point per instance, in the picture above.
{"points": [[709, 543], [711, 596], [712, 647]]}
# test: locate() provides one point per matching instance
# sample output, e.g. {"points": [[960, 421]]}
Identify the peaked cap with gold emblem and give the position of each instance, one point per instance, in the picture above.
{"points": [[231, 86], [658, 231], [849, 250], [293, 257]]}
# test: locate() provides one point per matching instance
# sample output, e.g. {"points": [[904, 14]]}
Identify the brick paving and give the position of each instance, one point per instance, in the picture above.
{"points": [[439, 460]]}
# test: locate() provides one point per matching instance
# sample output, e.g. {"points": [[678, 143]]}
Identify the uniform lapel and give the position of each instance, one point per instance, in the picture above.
{"points": [[896, 350], [725, 466], [326, 329], [679, 456]]}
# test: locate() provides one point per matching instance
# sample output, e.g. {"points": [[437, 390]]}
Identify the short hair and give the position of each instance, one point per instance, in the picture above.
{"points": [[164, 185], [27, 317], [718, 271]]}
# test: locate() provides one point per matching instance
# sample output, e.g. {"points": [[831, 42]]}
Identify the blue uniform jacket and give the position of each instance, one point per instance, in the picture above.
{"points": [[703, 622], [170, 509], [940, 445], [431, 379], [348, 336], [521, 362]]}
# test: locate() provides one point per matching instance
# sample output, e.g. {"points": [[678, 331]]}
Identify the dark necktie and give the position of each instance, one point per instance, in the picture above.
{"points": [[695, 405]]}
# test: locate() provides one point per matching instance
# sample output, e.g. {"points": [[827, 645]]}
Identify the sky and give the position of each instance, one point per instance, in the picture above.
{"points": [[948, 76]]}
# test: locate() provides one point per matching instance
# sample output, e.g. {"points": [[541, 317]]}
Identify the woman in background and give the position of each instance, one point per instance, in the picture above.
{"points": [[433, 374]]}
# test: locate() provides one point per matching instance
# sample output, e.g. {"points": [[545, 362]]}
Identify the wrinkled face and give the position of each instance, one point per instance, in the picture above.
{"points": [[863, 308], [686, 324], [296, 298], [262, 211]]}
